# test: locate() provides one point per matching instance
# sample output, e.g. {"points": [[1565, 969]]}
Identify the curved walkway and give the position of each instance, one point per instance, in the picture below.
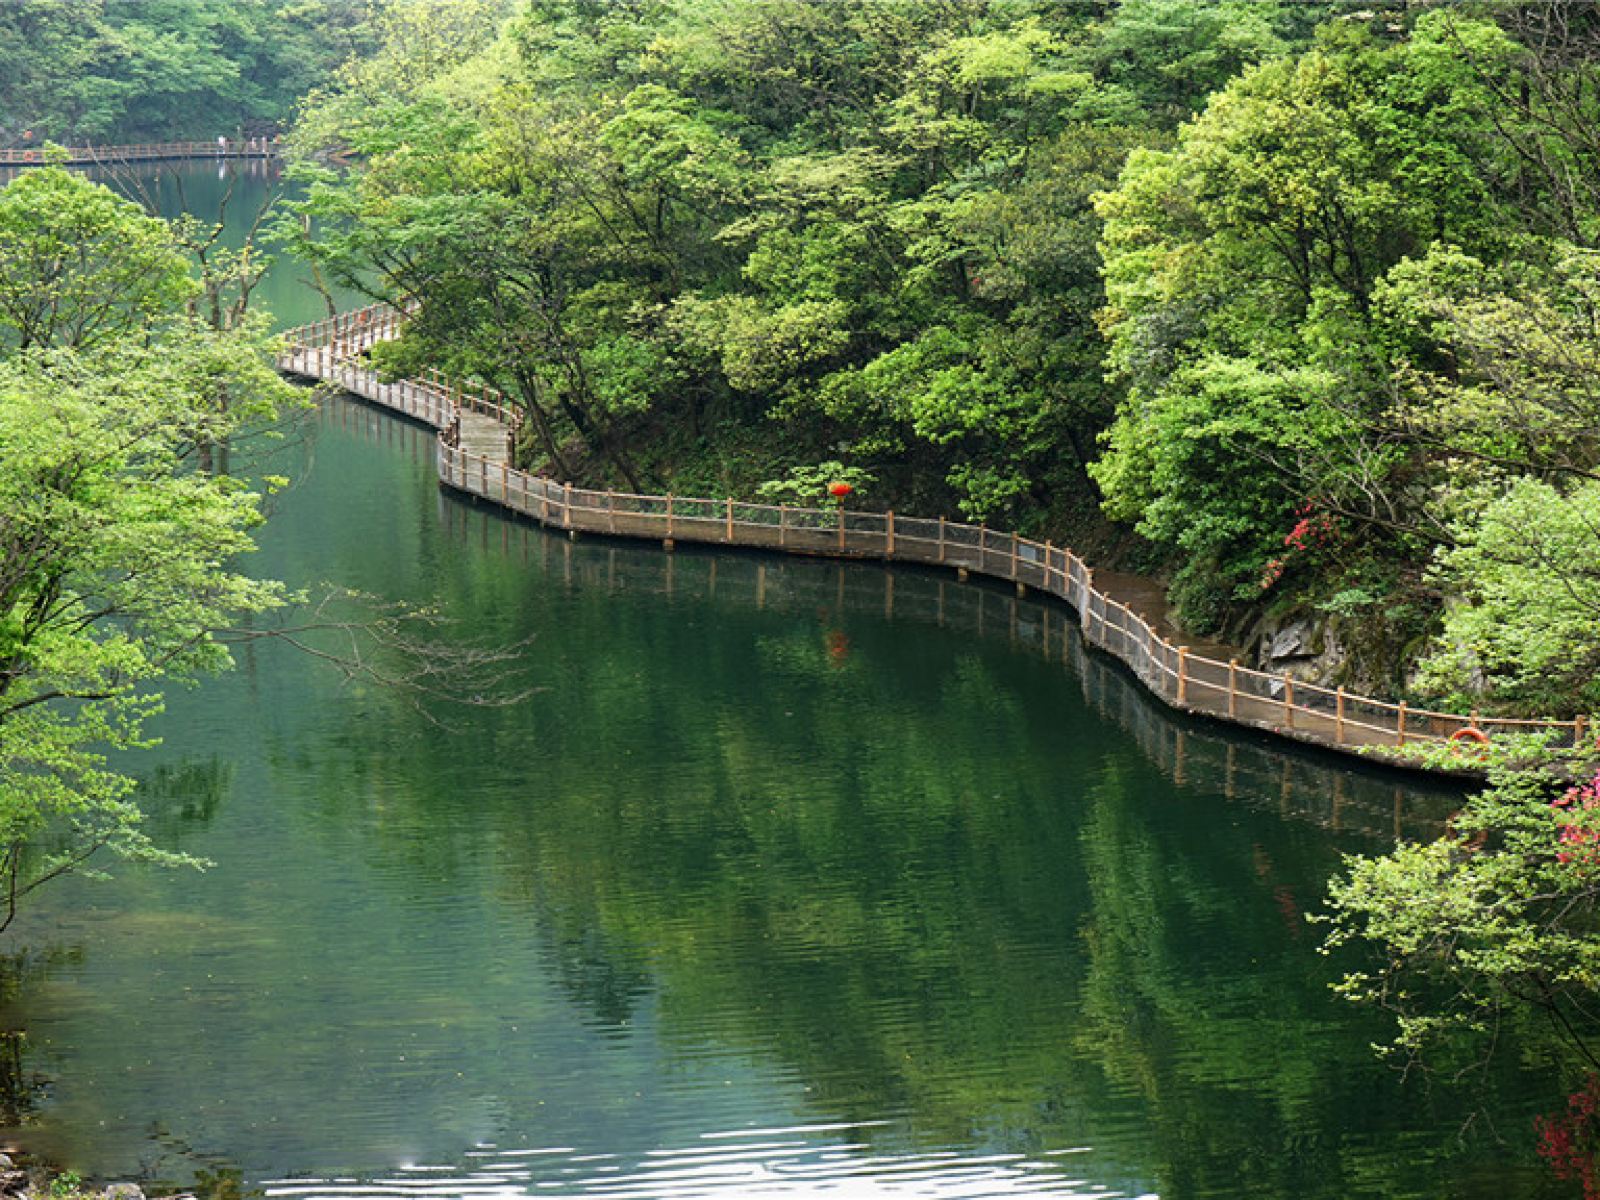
{"points": [[79, 156], [477, 428]]}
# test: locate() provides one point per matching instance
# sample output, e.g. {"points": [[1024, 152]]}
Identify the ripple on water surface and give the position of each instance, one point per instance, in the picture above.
{"points": [[794, 1161]]}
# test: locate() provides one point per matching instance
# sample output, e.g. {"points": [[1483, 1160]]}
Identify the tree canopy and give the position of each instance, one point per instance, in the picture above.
{"points": [[1243, 273], [118, 554], [120, 71], [866, 228]]}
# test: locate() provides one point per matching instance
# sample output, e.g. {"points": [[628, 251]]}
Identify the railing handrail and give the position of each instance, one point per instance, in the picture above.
{"points": [[1273, 700], [225, 147]]}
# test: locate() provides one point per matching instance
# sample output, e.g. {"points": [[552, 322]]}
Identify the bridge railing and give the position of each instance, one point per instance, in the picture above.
{"points": [[1224, 689], [33, 156]]}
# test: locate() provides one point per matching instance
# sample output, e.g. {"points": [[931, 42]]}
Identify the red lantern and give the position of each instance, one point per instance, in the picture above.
{"points": [[839, 490]]}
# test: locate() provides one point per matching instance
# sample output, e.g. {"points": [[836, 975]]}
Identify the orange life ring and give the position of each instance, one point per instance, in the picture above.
{"points": [[30, 156], [1470, 734]]}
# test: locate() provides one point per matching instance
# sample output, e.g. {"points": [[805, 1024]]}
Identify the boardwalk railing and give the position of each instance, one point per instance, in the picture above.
{"points": [[1332, 717], [259, 147]]}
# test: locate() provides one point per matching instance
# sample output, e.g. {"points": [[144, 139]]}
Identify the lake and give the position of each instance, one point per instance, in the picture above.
{"points": [[788, 878]]}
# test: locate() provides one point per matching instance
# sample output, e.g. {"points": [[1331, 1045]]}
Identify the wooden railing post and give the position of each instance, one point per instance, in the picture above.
{"points": [[669, 516], [1233, 687], [1288, 701], [1338, 718], [1016, 566], [941, 539], [730, 518], [1578, 724], [889, 535], [841, 528], [1183, 674], [783, 524], [1401, 730], [566, 506]]}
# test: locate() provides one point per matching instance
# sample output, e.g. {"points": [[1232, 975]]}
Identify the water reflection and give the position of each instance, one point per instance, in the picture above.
{"points": [[794, 878]]}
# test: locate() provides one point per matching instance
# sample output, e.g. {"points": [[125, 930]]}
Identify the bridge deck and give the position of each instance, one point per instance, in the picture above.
{"points": [[478, 463], [79, 156]]}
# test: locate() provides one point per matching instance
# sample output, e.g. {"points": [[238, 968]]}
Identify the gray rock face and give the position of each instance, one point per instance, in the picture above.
{"points": [[1292, 641], [1308, 647], [124, 1191]]}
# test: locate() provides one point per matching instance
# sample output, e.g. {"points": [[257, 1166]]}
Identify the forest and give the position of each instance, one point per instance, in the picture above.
{"points": [[1290, 304]]}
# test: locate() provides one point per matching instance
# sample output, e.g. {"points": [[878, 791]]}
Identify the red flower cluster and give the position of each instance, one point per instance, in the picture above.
{"points": [[1570, 1143], [1583, 843], [1313, 529]]}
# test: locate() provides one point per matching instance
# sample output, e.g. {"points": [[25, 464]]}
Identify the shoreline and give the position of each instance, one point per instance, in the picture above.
{"points": [[477, 427]]}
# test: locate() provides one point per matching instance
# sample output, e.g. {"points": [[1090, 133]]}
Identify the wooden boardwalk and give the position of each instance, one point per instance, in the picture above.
{"points": [[83, 156], [477, 426]]}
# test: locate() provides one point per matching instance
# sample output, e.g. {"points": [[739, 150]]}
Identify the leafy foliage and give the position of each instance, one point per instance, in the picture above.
{"points": [[1495, 919], [119, 71], [1528, 567], [868, 230], [80, 265], [112, 574], [117, 556]]}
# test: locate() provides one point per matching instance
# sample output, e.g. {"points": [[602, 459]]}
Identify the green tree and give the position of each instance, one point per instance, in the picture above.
{"points": [[118, 543], [1161, 59], [114, 573], [1258, 248], [1493, 922], [80, 265], [1526, 571], [117, 71]]}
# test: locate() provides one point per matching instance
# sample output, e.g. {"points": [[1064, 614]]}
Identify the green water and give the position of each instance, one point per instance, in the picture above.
{"points": [[791, 878]]}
